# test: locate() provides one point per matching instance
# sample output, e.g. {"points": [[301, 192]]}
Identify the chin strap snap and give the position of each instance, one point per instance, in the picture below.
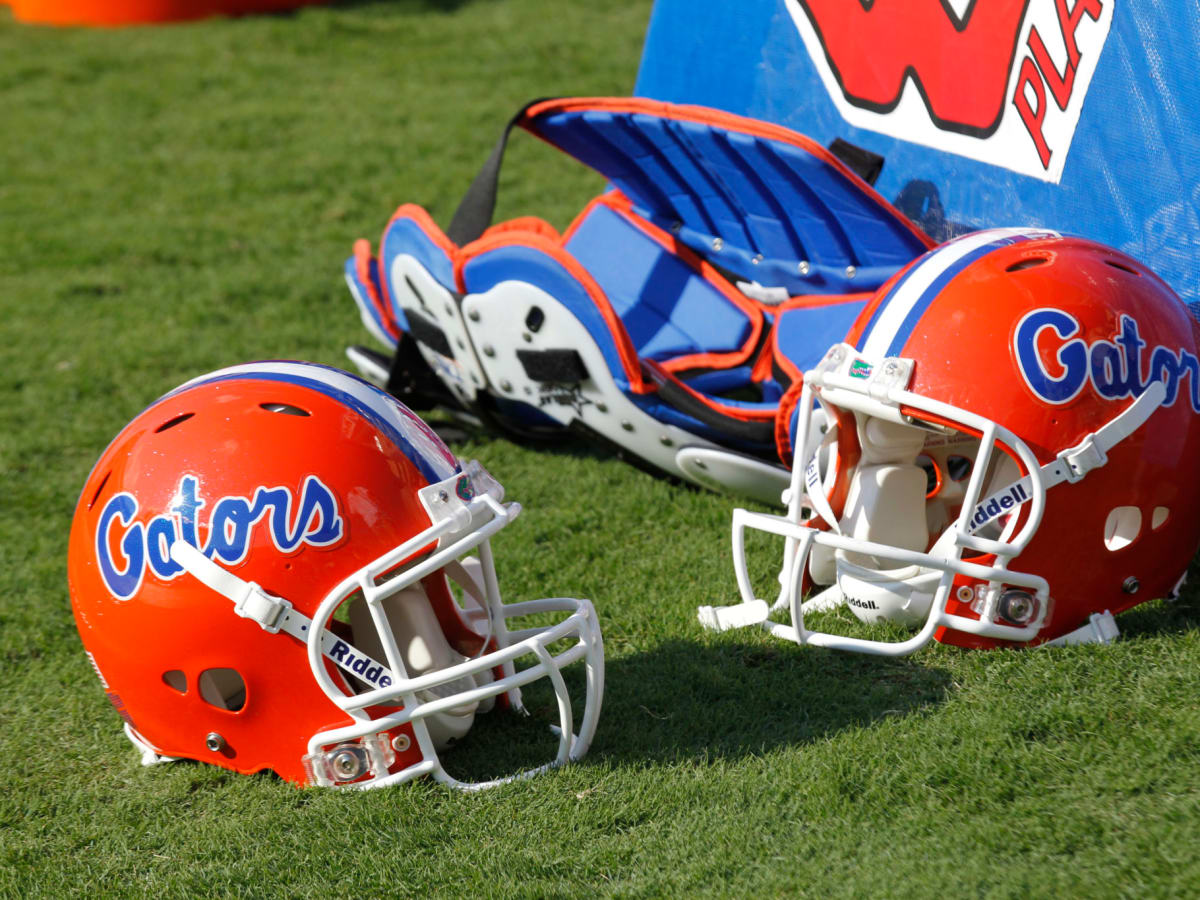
{"points": [[1074, 463], [1100, 628], [249, 600], [275, 614]]}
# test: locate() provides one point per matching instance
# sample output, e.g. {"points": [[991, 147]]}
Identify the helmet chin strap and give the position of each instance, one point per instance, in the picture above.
{"points": [[1074, 463], [275, 614]]}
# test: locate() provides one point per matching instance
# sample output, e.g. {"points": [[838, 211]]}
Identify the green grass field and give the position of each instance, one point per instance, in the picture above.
{"points": [[177, 199]]}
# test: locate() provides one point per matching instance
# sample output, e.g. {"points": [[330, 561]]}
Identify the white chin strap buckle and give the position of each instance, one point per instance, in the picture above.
{"points": [[1100, 628], [249, 600], [256, 604]]}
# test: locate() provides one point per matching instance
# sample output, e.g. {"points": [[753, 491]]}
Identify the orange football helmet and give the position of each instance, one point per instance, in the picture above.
{"points": [[278, 566], [1016, 424]]}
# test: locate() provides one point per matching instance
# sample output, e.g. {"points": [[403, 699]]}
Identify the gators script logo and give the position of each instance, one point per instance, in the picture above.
{"points": [[128, 546], [1000, 81]]}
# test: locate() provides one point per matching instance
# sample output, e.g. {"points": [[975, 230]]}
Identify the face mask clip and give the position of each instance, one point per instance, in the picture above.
{"points": [[368, 757]]}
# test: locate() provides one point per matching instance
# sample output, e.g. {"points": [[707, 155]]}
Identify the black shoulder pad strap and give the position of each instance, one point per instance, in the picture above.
{"points": [[862, 162], [475, 210], [678, 396]]}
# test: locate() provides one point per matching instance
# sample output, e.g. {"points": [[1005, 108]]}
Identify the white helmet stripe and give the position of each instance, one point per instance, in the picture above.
{"points": [[908, 299]]}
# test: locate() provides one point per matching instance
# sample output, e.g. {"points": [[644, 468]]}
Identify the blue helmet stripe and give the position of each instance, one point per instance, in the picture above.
{"points": [[897, 316]]}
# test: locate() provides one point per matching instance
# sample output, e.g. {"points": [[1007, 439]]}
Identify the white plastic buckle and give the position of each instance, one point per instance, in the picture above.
{"points": [[256, 604], [1082, 458], [1100, 628], [893, 372], [769, 296], [740, 615]]}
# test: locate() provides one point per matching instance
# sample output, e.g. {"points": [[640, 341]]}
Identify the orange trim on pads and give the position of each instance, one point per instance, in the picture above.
{"points": [[762, 366], [419, 217], [625, 350], [703, 115], [362, 268], [783, 422], [527, 224]]}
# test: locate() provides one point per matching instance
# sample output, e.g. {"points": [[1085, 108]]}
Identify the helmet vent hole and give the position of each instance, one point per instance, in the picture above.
{"points": [[1027, 263], [176, 680], [222, 688], [99, 490], [286, 408], [958, 467], [1122, 526], [1122, 267], [534, 319], [1159, 518], [171, 423]]}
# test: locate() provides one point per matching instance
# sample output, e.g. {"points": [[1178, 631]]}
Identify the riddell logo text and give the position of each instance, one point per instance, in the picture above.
{"points": [[1000, 81]]}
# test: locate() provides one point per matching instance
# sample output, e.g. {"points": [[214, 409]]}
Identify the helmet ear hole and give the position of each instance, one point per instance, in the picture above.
{"points": [[222, 688], [1122, 526], [1159, 519], [176, 680]]}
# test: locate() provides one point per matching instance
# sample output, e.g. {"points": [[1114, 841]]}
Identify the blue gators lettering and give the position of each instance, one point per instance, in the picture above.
{"points": [[316, 522], [1113, 368], [123, 582]]}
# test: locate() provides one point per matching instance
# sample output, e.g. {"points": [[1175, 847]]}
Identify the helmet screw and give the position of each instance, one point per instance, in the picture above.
{"points": [[851, 271], [602, 407], [443, 496], [473, 315], [527, 337], [803, 267], [346, 764], [890, 368], [1130, 585], [718, 243], [401, 742], [666, 440], [489, 350], [214, 742], [628, 426], [506, 386]]}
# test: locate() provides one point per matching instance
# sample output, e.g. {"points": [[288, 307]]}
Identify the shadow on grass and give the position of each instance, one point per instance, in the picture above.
{"points": [[1161, 617], [685, 701], [568, 443]]}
